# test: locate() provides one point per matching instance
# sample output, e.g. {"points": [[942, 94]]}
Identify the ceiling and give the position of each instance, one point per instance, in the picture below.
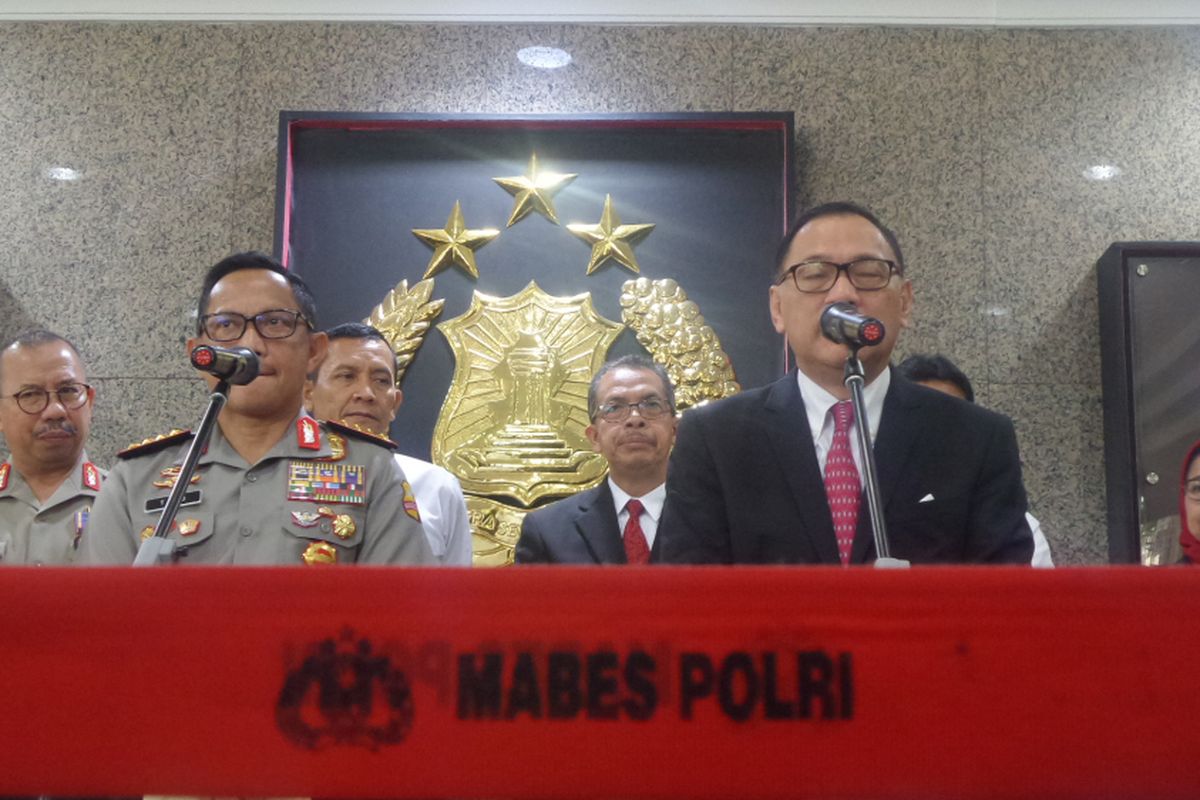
{"points": [[1037, 13]]}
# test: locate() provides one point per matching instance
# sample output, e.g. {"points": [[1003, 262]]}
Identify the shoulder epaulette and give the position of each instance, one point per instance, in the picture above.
{"points": [[155, 443], [360, 433]]}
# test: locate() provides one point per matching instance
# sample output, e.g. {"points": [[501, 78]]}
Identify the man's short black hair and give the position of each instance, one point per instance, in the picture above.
{"points": [[839, 208], [921, 367], [255, 260], [38, 336], [634, 361], [357, 331]]}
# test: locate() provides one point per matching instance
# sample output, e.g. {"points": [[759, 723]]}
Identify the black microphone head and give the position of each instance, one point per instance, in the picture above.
{"points": [[235, 365], [842, 323]]}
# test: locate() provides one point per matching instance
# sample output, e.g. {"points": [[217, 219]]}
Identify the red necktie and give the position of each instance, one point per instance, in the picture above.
{"points": [[842, 487], [636, 549]]}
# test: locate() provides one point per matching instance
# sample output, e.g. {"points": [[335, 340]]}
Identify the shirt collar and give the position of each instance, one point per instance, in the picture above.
{"points": [[817, 401], [652, 501]]}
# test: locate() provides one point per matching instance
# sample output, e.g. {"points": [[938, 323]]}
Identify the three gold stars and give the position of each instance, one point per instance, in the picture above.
{"points": [[454, 244], [611, 240], [534, 192]]}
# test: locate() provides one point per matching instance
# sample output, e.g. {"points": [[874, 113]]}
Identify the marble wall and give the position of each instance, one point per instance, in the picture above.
{"points": [[971, 143]]}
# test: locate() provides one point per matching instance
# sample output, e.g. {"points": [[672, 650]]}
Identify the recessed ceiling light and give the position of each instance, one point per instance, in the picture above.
{"points": [[1102, 172], [63, 174], [544, 57]]}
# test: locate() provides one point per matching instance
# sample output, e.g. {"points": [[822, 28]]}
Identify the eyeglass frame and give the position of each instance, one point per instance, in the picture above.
{"points": [[299, 315], [45, 395], [629, 408], [893, 269], [1187, 488]]}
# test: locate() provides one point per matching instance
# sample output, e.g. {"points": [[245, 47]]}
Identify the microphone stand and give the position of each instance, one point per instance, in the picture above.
{"points": [[159, 549], [855, 380]]}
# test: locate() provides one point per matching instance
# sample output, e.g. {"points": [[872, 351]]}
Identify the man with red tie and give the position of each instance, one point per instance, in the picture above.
{"points": [[773, 475], [631, 404]]}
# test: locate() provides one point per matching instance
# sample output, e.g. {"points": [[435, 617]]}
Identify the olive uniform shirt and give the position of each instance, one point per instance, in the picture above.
{"points": [[47, 533], [324, 494]]}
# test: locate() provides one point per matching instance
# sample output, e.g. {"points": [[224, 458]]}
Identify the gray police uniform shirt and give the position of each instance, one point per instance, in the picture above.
{"points": [[32, 532], [324, 494]]}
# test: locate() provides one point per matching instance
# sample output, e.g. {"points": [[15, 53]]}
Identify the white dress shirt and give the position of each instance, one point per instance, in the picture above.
{"points": [[442, 508], [817, 406], [652, 501]]}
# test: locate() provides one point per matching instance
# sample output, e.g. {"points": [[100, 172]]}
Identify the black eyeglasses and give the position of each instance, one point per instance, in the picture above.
{"points": [[229, 326], [69, 395], [865, 274], [651, 408]]}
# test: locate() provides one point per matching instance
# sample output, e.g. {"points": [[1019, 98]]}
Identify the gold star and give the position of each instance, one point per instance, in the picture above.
{"points": [[533, 191], [454, 244], [611, 239]]}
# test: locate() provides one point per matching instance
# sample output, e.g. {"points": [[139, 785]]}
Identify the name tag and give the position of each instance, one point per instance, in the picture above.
{"points": [[159, 503]]}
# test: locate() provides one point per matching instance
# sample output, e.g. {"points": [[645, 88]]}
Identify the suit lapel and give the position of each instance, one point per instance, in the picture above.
{"points": [[597, 525], [898, 430], [791, 440]]}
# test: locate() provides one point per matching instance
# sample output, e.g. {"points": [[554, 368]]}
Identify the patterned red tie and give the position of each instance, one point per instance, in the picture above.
{"points": [[842, 486], [636, 549]]}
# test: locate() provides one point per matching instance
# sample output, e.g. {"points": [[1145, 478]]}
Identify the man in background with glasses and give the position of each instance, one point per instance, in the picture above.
{"points": [[274, 486], [773, 475], [632, 407], [47, 486]]}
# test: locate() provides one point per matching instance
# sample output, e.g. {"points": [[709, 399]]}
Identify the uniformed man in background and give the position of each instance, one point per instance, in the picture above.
{"points": [[356, 384], [273, 486], [48, 485]]}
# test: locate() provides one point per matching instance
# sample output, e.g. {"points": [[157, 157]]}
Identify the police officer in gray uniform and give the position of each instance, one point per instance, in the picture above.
{"points": [[274, 486], [48, 486]]}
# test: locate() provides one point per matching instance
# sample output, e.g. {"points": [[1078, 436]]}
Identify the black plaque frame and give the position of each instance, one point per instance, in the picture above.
{"points": [[693, 157], [1138, 472]]}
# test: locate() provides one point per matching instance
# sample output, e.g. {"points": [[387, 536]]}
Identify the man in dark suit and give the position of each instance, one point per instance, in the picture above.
{"points": [[632, 407], [773, 475]]}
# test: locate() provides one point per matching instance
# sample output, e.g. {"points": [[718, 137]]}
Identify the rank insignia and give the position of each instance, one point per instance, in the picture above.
{"points": [[154, 443], [5, 468], [306, 519], [320, 553], [338, 445], [188, 526], [169, 475], [81, 521], [343, 526], [147, 532], [323, 482], [91, 476], [308, 434], [410, 502]]}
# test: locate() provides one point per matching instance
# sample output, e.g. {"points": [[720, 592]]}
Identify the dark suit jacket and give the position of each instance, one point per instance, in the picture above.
{"points": [[581, 529], [745, 487]]}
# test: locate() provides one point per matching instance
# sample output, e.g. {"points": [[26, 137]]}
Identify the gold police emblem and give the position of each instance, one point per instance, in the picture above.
{"points": [[318, 553]]}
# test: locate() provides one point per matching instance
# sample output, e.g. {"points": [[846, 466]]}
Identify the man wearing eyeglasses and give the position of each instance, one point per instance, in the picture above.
{"points": [[773, 475], [274, 486], [47, 486], [632, 407]]}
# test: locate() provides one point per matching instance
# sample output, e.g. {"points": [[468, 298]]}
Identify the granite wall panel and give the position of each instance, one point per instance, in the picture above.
{"points": [[972, 143]]}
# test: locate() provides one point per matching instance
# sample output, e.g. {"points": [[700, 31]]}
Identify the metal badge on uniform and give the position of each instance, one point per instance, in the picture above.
{"points": [[81, 521], [320, 553], [306, 519], [91, 476], [337, 446], [323, 482], [5, 468], [159, 503], [188, 526], [169, 475], [343, 526], [308, 434], [147, 532], [410, 502]]}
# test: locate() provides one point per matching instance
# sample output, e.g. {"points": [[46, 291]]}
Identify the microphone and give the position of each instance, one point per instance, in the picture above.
{"points": [[236, 365], [841, 323]]}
